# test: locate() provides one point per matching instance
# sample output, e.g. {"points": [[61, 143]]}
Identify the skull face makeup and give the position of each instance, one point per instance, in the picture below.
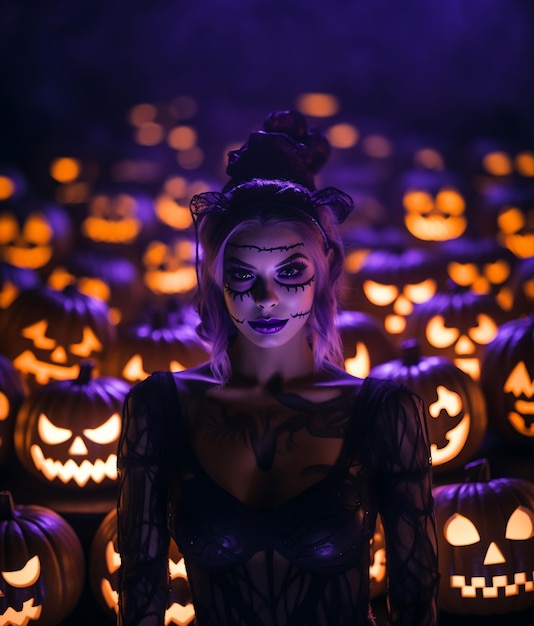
{"points": [[269, 286]]}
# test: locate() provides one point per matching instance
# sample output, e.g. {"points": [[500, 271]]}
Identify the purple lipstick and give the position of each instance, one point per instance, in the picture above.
{"points": [[268, 326]]}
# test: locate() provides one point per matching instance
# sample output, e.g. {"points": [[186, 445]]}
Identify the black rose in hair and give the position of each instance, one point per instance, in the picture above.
{"points": [[286, 149]]}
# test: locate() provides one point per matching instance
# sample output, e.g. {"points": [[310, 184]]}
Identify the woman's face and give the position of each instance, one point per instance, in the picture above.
{"points": [[269, 284]]}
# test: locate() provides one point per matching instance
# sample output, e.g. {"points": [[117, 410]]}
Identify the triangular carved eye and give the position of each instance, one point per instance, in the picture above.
{"points": [[26, 576], [520, 526], [460, 531], [519, 381]]}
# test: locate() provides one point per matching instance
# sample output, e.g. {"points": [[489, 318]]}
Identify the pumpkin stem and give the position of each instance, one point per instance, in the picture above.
{"points": [[7, 507], [411, 352], [477, 471], [86, 372]]}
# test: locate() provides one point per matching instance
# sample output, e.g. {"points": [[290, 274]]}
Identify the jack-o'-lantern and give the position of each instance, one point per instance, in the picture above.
{"points": [[41, 565], [118, 218], [158, 343], [454, 404], [485, 543], [481, 265], [13, 185], [391, 282], [13, 280], [507, 378], [434, 205], [365, 343], [35, 235], [496, 162], [457, 324], [66, 432], [106, 276], [104, 563], [47, 333], [169, 266], [12, 393], [508, 213]]}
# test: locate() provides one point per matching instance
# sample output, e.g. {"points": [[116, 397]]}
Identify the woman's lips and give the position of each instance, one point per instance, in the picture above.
{"points": [[268, 326]]}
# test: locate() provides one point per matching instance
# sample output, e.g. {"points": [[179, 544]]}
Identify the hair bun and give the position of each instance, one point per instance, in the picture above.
{"points": [[286, 149]]}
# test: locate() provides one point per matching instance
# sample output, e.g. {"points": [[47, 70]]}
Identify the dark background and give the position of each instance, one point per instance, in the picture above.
{"points": [[452, 70]]}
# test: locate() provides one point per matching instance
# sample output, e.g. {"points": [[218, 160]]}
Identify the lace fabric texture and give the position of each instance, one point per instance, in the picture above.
{"points": [[305, 562]]}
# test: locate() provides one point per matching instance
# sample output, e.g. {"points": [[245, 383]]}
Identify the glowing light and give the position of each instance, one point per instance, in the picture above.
{"points": [[182, 138], [429, 159], [26, 576], [172, 213], [360, 364], [4, 406], [318, 104], [524, 163], [176, 186], [149, 134], [7, 187], [377, 146], [190, 159], [497, 163], [65, 169], [142, 114], [343, 135]]}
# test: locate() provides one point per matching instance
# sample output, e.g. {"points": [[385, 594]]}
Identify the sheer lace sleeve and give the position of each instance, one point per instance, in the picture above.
{"points": [[142, 513], [401, 461]]}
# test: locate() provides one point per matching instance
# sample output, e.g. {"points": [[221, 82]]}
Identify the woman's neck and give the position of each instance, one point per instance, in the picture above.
{"points": [[293, 360]]}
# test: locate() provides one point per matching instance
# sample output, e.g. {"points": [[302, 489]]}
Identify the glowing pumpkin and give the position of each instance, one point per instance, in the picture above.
{"points": [[454, 404], [105, 560], [507, 378], [509, 214], [481, 265], [457, 324], [434, 205], [160, 343], [118, 218], [35, 235], [41, 565], [365, 343], [485, 543], [66, 432], [47, 333], [522, 285], [391, 282]]}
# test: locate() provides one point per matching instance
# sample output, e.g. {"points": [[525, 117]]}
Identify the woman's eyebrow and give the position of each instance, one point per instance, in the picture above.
{"points": [[236, 261], [293, 257]]}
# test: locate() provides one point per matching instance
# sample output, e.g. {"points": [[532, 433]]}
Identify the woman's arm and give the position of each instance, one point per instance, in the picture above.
{"points": [[404, 485], [142, 513]]}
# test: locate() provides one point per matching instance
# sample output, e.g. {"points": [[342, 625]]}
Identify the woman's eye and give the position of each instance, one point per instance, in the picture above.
{"points": [[292, 271], [240, 275]]}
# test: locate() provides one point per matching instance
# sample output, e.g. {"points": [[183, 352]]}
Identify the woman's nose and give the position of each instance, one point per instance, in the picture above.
{"points": [[265, 294]]}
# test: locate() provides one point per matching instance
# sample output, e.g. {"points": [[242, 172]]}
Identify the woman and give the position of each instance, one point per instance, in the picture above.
{"points": [[268, 465]]}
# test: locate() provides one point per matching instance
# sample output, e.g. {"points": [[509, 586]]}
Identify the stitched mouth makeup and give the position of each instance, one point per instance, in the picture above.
{"points": [[268, 326]]}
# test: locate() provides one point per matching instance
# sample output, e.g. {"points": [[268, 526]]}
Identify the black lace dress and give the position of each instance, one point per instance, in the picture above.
{"points": [[304, 563]]}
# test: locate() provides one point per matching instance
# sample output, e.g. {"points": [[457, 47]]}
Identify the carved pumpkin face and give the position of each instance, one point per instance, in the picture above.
{"points": [[66, 432], [157, 344], [454, 404], [457, 325], [34, 237], [118, 217], [434, 206], [507, 378], [169, 266], [392, 282], [41, 565], [12, 393], [485, 543], [508, 213], [482, 266], [47, 333], [365, 343], [105, 562]]}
